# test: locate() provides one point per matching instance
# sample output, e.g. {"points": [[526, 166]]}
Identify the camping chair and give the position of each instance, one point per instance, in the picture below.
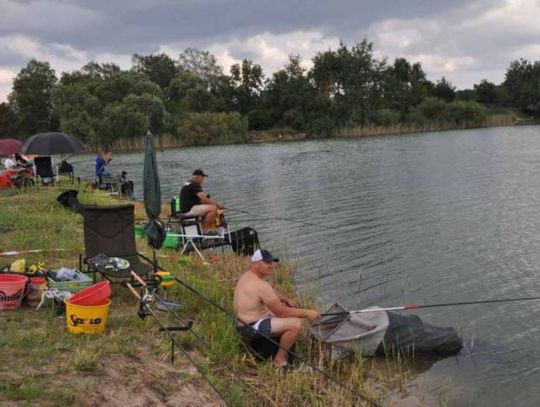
{"points": [[192, 237], [109, 183], [111, 230], [44, 169], [66, 168]]}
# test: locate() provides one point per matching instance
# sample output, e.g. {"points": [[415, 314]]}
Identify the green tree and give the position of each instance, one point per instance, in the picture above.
{"points": [[247, 79], [7, 119], [122, 121], [159, 68], [30, 99], [189, 93], [522, 84], [444, 90], [486, 92], [201, 63]]}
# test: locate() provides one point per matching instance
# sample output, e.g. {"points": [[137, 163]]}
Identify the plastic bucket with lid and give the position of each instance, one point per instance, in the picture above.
{"points": [[12, 290], [84, 319], [97, 294]]}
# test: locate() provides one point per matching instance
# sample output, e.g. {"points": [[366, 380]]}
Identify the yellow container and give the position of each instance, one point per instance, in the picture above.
{"points": [[86, 319]]}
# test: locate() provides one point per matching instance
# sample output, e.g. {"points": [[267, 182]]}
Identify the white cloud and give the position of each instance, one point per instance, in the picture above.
{"points": [[62, 57], [272, 51]]}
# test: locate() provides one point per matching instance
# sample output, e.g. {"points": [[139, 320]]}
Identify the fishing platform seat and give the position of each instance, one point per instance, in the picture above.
{"points": [[110, 230]]}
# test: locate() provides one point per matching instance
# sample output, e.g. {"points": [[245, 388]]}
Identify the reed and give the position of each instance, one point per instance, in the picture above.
{"points": [[130, 362]]}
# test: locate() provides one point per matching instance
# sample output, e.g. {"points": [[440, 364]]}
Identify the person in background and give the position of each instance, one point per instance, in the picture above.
{"points": [[260, 309], [103, 159], [193, 200]]}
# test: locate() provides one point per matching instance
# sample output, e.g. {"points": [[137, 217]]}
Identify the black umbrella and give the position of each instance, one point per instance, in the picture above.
{"points": [[154, 229], [51, 143]]}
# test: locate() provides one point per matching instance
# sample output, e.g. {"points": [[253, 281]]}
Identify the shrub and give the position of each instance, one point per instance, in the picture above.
{"points": [[196, 129]]}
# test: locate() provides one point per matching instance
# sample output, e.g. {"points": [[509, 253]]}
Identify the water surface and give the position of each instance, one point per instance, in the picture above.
{"points": [[438, 217]]}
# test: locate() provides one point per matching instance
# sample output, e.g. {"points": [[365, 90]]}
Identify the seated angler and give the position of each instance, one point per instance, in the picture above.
{"points": [[262, 310], [193, 201]]}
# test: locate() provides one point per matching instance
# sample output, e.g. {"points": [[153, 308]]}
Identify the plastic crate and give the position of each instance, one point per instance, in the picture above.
{"points": [[74, 285]]}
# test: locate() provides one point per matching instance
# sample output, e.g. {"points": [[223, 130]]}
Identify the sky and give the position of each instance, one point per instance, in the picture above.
{"points": [[464, 41]]}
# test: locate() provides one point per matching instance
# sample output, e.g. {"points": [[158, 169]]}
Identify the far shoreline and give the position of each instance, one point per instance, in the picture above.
{"points": [[166, 142]]}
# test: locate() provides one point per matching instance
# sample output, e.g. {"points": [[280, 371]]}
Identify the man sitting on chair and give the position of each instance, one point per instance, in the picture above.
{"points": [[193, 201], [262, 310]]}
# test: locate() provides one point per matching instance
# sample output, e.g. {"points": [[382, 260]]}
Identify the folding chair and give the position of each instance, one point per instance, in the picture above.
{"points": [[44, 169], [111, 230], [192, 237], [66, 168]]}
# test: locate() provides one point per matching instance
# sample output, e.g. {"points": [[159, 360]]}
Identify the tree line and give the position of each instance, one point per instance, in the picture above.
{"points": [[193, 100]]}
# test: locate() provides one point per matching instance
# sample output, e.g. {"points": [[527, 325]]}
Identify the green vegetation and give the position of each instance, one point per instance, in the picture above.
{"points": [[191, 101], [129, 364]]}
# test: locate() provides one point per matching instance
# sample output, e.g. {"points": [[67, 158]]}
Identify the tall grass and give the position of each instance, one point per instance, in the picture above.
{"points": [[495, 120]]}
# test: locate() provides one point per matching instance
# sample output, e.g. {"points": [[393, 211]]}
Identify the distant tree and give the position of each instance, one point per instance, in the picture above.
{"points": [[522, 84], [466, 94], [486, 92], [247, 79], [100, 71], [201, 63], [122, 121], [289, 98], [404, 86], [30, 99], [159, 68], [7, 119], [444, 90], [189, 93]]}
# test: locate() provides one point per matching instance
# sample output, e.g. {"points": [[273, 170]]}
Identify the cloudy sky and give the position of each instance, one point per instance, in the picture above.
{"points": [[465, 41]]}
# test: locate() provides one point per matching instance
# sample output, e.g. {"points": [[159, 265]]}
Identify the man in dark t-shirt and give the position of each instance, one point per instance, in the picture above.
{"points": [[194, 201]]}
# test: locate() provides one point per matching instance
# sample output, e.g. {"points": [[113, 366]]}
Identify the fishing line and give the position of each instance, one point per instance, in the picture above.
{"points": [[201, 340], [269, 217], [173, 339], [293, 354]]}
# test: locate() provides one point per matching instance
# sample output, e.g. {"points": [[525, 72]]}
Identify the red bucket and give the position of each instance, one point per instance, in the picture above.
{"points": [[97, 294], [12, 290]]}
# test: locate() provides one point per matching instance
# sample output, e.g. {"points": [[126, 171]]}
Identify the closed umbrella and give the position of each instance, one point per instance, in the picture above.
{"points": [[52, 143], [9, 146], [154, 229]]}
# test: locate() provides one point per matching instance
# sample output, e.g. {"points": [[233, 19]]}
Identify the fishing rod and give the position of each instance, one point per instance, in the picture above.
{"points": [[273, 217], [148, 311], [273, 341], [418, 306]]}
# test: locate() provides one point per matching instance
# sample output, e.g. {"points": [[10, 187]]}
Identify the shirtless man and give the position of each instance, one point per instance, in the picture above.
{"points": [[259, 308]]}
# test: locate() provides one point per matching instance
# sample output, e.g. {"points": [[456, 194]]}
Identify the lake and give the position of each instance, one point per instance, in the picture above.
{"points": [[424, 218]]}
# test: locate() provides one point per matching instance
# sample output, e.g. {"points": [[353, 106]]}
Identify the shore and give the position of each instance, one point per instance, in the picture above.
{"points": [[285, 135], [129, 364]]}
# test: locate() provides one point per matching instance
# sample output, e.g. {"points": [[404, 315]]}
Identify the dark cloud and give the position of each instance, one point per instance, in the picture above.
{"points": [[462, 40], [115, 26]]}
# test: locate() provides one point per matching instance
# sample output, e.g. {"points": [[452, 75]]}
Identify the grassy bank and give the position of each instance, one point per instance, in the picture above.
{"points": [[42, 364]]}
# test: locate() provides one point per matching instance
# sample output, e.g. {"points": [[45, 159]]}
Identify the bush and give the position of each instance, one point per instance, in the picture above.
{"points": [[384, 117], [465, 112], [197, 129]]}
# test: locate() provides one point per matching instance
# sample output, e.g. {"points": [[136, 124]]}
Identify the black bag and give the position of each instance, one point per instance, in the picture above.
{"points": [[245, 241]]}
